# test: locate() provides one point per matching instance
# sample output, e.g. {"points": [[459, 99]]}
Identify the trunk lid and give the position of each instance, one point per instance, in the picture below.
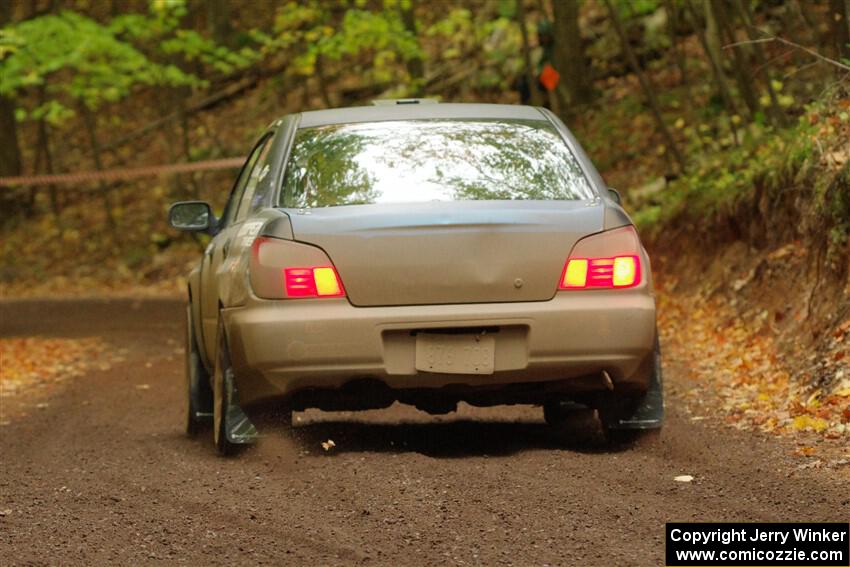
{"points": [[448, 252]]}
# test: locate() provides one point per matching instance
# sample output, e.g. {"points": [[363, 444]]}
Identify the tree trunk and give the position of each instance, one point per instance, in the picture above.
{"points": [[415, 65], [645, 85], [716, 69], [569, 56], [796, 28], [712, 33], [171, 140], [839, 12], [744, 12], [714, 64], [91, 129], [739, 63], [12, 199], [672, 26], [10, 151], [323, 84], [43, 149], [218, 20], [5, 13], [186, 140], [530, 75], [847, 18]]}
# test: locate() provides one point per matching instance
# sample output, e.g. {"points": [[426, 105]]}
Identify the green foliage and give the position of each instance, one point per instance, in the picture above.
{"points": [[159, 34], [496, 44], [630, 8], [76, 60], [375, 41], [723, 176], [797, 158]]}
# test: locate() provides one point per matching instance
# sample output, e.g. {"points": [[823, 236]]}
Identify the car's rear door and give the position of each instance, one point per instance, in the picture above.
{"points": [[220, 247]]}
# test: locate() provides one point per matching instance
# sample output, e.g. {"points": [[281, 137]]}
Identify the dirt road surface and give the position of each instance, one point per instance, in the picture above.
{"points": [[104, 474]]}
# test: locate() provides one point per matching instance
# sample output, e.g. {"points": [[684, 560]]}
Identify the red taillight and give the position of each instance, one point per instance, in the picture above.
{"points": [[607, 260], [619, 271], [282, 269], [321, 281]]}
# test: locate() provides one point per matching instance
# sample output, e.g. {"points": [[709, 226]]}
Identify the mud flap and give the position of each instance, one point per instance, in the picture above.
{"points": [[237, 427], [648, 413]]}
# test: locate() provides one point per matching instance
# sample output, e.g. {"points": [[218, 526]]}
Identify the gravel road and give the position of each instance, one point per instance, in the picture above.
{"points": [[104, 474]]}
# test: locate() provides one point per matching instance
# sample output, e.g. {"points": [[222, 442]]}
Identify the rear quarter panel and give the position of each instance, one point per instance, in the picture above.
{"points": [[233, 273], [194, 284]]}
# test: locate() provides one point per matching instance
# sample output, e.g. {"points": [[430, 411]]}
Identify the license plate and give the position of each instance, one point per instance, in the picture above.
{"points": [[455, 354]]}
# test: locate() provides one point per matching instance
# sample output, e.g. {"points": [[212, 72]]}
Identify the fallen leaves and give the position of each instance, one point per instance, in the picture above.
{"points": [[735, 368], [805, 451], [29, 362], [807, 422], [328, 445]]}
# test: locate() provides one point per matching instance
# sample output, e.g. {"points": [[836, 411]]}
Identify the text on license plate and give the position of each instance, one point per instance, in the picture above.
{"points": [[455, 354]]}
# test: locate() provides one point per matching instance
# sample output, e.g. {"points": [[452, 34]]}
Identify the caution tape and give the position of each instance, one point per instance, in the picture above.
{"points": [[124, 173]]}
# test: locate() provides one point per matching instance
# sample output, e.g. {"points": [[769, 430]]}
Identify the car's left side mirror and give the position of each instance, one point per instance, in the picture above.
{"points": [[191, 216], [615, 196]]}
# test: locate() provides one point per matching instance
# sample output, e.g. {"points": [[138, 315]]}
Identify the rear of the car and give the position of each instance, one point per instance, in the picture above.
{"points": [[452, 252]]}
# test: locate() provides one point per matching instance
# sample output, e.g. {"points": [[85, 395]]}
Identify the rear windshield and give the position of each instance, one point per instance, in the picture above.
{"points": [[428, 160]]}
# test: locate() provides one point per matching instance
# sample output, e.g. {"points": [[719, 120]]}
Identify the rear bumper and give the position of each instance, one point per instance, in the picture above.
{"points": [[280, 347]]}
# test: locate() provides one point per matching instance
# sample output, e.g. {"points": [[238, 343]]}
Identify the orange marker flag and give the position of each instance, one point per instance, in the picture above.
{"points": [[549, 77]]}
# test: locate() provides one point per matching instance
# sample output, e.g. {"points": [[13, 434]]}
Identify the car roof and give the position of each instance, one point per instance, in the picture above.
{"points": [[457, 111]]}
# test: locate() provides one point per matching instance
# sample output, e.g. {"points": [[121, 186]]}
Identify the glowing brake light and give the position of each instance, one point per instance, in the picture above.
{"points": [[576, 273], [321, 281], [625, 272], [283, 269], [607, 260]]}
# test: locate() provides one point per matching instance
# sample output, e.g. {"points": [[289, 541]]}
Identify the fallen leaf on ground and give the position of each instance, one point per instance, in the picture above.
{"points": [[805, 451], [328, 445], [803, 422]]}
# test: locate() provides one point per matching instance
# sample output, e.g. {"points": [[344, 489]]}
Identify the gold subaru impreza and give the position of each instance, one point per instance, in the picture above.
{"points": [[422, 253]]}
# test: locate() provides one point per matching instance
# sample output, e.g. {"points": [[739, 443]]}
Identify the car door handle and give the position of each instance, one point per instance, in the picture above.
{"points": [[224, 249]]}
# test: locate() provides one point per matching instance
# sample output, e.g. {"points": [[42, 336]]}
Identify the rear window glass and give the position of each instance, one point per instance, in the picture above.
{"points": [[428, 160]]}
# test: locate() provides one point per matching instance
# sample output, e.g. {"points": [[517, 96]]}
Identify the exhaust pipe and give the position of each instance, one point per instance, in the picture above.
{"points": [[606, 379]]}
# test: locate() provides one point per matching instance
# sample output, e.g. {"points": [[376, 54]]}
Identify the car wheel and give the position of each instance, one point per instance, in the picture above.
{"points": [[198, 406]]}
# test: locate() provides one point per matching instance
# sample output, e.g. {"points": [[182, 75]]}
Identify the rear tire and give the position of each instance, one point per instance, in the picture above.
{"points": [[198, 406]]}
